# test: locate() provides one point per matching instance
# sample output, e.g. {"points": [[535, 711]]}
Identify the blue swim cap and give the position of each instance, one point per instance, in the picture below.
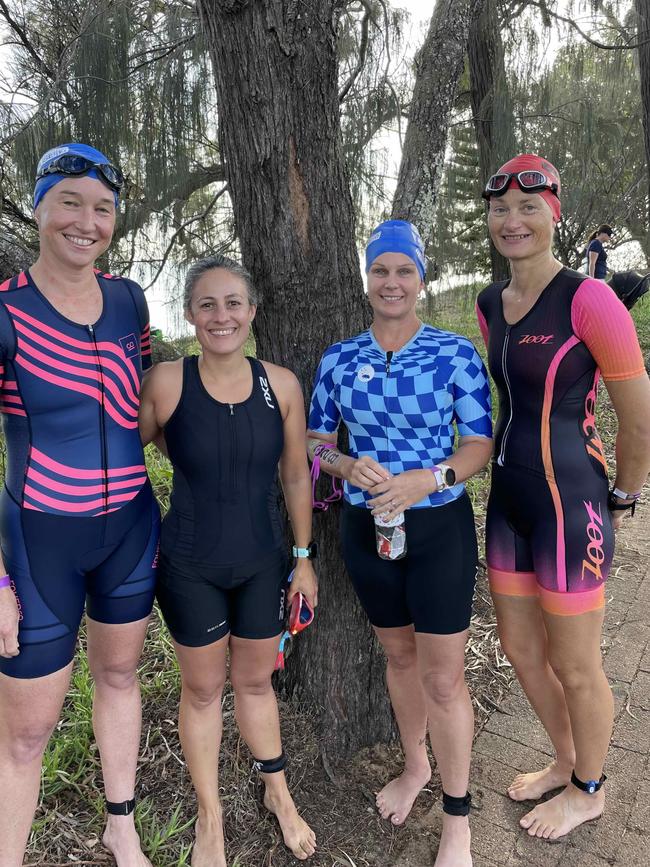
{"points": [[72, 149], [396, 236]]}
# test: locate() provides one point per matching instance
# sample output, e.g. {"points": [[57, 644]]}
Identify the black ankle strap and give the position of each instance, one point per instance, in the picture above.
{"points": [[121, 808], [590, 787], [456, 806], [270, 766]]}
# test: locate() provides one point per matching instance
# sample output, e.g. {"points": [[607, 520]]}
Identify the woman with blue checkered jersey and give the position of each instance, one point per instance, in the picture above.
{"points": [[404, 389]]}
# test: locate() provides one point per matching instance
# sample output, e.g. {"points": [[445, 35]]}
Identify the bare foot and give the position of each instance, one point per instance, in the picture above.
{"points": [[454, 849], [297, 834], [122, 841], [209, 848], [395, 800], [531, 787], [563, 813]]}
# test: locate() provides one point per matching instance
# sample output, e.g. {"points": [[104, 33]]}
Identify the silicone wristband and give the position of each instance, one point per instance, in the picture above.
{"points": [[623, 495], [5, 581]]}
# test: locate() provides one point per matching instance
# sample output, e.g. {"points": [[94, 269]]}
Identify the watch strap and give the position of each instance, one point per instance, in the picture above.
{"points": [[439, 477], [308, 553]]}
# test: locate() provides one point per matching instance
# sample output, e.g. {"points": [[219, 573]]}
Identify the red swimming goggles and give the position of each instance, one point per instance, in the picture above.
{"points": [[301, 614], [528, 181]]}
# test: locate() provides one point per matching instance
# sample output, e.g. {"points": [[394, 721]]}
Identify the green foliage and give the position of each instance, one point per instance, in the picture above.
{"points": [[460, 244], [583, 115], [71, 758]]}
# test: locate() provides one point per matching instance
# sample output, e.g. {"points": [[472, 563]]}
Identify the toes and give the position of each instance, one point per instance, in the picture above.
{"points": [[527, 820]]}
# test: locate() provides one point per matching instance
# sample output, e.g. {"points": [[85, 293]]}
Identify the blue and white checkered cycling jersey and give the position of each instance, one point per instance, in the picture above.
{"points": [[401, 410]]}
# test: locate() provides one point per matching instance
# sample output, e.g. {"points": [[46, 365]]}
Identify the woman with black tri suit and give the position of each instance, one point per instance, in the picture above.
{"points": [[228, 423], [403, 389], [551, 333], [78, 521]]}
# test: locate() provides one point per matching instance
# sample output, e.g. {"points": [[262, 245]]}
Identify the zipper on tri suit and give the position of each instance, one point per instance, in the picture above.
{"points": [[389, 358], [504, 367], [233, 444], [102, 418]]}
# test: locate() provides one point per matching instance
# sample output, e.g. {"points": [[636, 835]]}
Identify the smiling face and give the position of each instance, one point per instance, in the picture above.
{"points": [[76, 219], [220, 311], [394, 284], [520, 224]]}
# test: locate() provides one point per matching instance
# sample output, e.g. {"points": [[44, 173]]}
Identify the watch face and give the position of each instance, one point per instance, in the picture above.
{"points": [[313, 550], [450, 477]]}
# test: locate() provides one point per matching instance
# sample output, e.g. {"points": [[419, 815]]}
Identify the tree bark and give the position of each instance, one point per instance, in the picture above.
{"points": [[439, 66], [275, 64], [643, 38], [491, 110]]}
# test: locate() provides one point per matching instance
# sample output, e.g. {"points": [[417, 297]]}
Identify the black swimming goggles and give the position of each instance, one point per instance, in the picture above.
{"points": [[71, 164], [528, 181]]}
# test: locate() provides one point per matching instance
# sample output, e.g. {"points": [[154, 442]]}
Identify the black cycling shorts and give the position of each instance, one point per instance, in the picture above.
{"points": [[432, 587], [201, 603]]}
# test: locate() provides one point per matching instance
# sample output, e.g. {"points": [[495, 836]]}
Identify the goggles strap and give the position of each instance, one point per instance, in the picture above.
{"points": [[279, 660]]}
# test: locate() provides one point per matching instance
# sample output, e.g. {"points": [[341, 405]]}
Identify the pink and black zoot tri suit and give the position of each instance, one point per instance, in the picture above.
{"points": [[78, 521], [549, 532]]}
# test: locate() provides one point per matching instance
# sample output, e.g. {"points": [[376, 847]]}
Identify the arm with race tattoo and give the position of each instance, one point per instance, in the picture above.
{"points": [[363, 472]]}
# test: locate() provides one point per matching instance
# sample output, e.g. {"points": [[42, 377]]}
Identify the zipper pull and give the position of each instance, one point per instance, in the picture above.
{"points": [[231, 409], [91, 330], [389, 358]]}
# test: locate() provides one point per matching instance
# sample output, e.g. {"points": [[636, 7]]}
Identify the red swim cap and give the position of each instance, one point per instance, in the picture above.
{"points": [[539, 164]]}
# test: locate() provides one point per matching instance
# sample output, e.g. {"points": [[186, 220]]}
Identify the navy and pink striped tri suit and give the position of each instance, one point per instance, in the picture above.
{"points": [[78, 520]]}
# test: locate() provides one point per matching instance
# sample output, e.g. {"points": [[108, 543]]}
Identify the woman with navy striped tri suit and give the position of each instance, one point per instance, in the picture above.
{"points": [[78, 520]]}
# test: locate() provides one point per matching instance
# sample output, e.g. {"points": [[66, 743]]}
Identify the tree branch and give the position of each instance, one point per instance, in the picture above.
{"points": [[574, 24], [363, 50], [139, 211], [178, 231], [25, 42]]}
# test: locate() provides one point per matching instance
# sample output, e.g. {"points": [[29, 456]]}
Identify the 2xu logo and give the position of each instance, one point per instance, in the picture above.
{"points": [[595, 553], [266, 391], [536, 338]]}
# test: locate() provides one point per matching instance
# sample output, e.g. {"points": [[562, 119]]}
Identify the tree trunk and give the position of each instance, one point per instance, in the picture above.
{"points": [[643, 38], [491, 110], [439, 66], [275, 64]]}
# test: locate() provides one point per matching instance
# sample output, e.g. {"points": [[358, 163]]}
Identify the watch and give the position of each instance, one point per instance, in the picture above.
{"points": [[308, 553], [444, 475]]}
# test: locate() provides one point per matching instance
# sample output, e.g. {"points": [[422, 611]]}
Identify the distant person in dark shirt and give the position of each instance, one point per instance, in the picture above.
{"points": [[596, 255]]}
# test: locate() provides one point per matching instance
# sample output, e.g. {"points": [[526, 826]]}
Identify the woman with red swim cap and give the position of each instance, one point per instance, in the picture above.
{"points": [[551, 333]]}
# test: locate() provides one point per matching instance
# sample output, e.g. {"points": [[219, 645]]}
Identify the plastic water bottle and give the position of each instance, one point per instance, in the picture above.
{"points": [[390, 536]]}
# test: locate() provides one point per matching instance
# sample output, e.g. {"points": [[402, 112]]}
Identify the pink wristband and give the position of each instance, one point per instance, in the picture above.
{"points": [[5, 581]]}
